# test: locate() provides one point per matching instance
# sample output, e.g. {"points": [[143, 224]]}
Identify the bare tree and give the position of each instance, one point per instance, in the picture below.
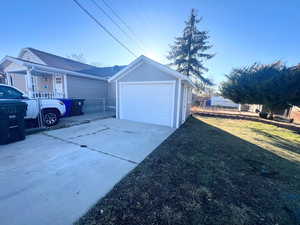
{"points": [[77, 57]]}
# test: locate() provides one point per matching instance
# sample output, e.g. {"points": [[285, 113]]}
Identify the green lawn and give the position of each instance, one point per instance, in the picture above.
{"points": [[211, 171]]}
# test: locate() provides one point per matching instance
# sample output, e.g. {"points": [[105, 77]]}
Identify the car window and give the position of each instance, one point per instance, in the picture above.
{"points": [[9, 93]]}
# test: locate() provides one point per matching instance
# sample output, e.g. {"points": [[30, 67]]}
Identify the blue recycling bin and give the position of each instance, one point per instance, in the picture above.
{"points": [[68, 104]]}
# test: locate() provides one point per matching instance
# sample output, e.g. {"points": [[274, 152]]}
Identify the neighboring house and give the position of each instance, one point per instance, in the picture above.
{"points": [[295, 114], [41, 74], [143, 91]]}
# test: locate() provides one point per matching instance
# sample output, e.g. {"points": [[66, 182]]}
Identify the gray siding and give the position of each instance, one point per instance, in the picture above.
{"points": [[79, 87], [111, 94], [147, 72], [18, 81], [93, 91], [14, 67]]}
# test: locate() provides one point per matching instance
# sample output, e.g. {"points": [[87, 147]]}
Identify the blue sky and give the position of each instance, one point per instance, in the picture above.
{"points": [[242, 32]]}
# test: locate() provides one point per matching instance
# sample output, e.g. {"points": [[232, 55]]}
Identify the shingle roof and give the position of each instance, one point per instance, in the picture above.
{"points": [[72, 65]]}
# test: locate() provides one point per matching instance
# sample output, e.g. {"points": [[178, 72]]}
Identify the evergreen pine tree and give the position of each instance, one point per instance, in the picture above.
{"points": [[189, 51]]}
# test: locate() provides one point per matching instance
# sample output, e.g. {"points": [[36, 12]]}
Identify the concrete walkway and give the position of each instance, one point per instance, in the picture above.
{"points": [[65, 122], [85, 118], [56, 176]]}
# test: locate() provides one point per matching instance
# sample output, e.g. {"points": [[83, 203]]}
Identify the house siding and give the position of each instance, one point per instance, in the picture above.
{"points": [[18, 81], [29, 56], [93, 91], [79, 87], [147, 72], [14, 67], [111, 94]]}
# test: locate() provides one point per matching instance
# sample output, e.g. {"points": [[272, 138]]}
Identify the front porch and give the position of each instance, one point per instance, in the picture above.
{"points": [[48, 95], [38, 83]]}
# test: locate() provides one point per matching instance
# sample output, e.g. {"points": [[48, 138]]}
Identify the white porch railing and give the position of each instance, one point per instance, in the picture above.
{"points": [[47, 95]]}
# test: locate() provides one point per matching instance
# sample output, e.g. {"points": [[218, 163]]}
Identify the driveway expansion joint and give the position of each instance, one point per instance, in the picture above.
{"points": [[92, 133], [90, 149]]}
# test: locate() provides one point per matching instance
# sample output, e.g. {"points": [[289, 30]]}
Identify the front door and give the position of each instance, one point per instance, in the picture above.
{"points": [[58, 84]]}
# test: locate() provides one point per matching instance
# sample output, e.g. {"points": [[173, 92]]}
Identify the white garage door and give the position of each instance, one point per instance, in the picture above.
{"points": [[147, 102]]}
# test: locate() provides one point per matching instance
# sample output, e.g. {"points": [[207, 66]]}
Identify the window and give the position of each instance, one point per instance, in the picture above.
{"points": [[9, 93], [58, 80]]}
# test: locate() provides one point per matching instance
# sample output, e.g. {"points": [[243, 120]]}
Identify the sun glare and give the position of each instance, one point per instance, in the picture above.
{"points": [[152, 55]]}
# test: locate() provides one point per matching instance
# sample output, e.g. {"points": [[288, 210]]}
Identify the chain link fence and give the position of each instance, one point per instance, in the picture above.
{"points": [[98, 105], [91, 109]]}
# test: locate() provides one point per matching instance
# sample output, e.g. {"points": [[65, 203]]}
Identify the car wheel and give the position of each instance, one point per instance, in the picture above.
{"points": [[50, 118]]}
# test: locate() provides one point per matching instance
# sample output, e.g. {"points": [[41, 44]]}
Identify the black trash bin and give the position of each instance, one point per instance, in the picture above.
{"points": [[12, 125], [76, 107]]}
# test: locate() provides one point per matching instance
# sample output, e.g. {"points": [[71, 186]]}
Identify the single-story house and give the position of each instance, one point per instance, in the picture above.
{"points": [[41, 74], [144, 91]]}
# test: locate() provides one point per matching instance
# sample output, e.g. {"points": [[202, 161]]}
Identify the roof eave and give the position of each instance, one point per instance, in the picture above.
{"points": [[118, 74], [11, 59], [154, 63]]}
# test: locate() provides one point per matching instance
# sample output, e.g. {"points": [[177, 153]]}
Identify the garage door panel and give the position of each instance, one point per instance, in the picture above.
{"points": [[149, 103]]}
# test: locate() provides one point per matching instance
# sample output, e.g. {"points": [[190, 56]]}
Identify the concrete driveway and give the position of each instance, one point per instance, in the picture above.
{"points": [[56, 176]]}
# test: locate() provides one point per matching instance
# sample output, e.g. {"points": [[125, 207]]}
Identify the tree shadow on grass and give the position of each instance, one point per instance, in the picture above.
{"points": [[279, 141], [204, 175], [290, 126]]}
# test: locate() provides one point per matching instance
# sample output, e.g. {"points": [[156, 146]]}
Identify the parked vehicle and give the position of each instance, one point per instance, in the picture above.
{"points": [[51, 109]]}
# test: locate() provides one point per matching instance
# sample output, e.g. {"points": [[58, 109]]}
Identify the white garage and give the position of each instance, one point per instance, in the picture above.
{"points": [[149, 92]]}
